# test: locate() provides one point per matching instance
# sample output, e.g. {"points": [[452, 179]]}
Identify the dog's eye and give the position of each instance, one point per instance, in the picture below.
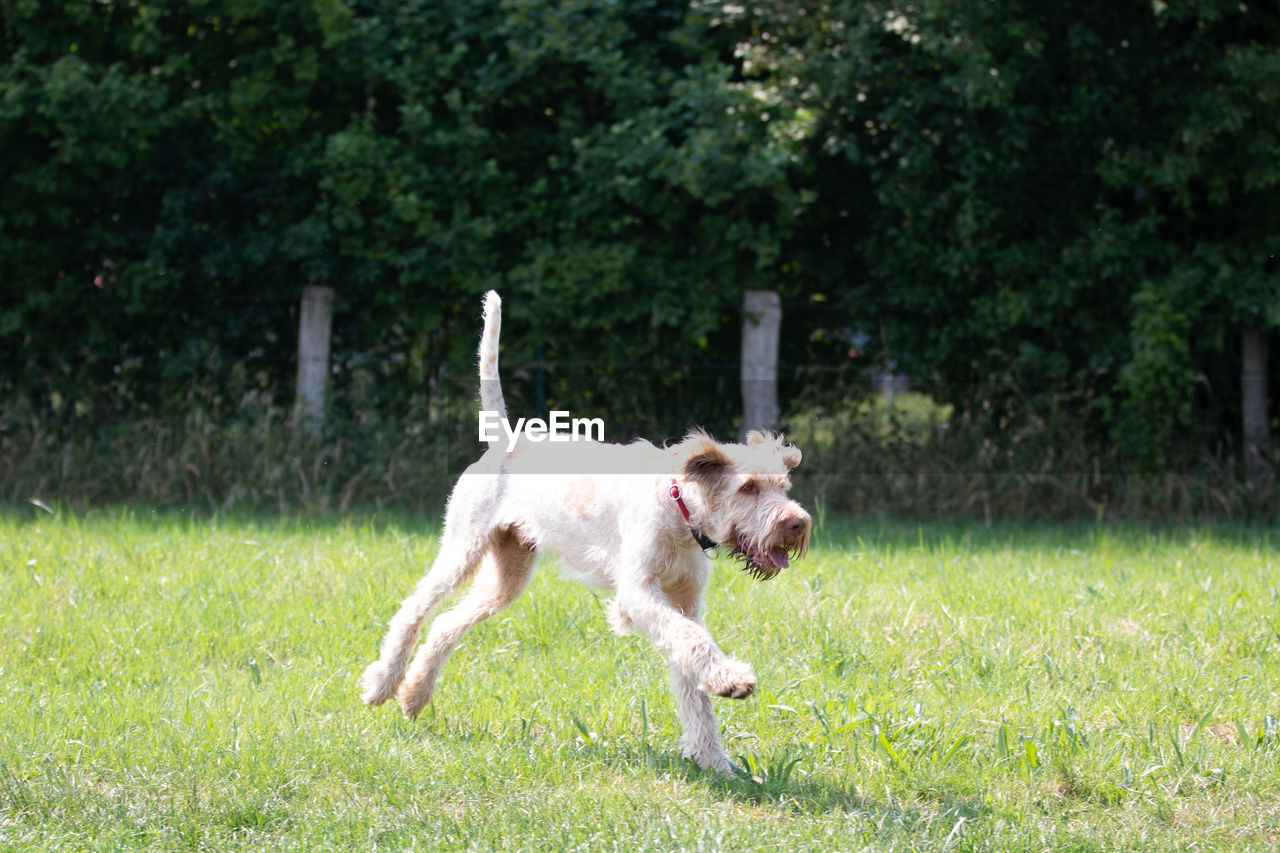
{"points": [[749, 488]]}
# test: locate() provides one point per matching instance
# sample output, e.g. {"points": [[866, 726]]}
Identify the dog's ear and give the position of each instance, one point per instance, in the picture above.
{"points": [[704, 461], [791, 456]]}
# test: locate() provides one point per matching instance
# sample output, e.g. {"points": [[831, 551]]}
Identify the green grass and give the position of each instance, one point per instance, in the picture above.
{"points": [[171, 683]]}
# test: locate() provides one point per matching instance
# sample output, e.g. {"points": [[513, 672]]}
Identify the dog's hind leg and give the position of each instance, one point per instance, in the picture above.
{"points": [[504, 572], [462, 544], [456, 562]]}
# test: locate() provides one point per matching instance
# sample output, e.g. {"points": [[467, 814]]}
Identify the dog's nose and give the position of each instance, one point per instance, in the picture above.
{"points": [[795, 525]]}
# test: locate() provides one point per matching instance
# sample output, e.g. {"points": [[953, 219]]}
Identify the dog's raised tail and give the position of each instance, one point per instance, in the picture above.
{"points": [[490, 386]]}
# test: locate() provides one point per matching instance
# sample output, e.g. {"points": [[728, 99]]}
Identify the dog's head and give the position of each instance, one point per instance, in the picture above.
{"points": [[737, 495]]}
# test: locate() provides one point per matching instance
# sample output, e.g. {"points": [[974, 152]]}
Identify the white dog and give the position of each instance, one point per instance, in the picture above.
{"points": [[632, 518]]}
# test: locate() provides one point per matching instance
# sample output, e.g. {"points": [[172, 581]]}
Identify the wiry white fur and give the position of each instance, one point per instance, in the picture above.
{"points": [[490, 388], [617, 529]]}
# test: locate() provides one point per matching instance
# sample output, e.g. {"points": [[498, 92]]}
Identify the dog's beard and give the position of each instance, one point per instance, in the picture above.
{"points": [[759, 562]]}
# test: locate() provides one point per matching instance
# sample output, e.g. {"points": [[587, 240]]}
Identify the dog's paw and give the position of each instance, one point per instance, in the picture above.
{"points": [[733, 680], [619, 621], [714, 761], [377, 684], [414, 696]]}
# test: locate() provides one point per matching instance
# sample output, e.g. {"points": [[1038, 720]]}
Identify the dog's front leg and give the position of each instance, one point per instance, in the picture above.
{"points": [[698, 667], [701, 741], [687, 644]]}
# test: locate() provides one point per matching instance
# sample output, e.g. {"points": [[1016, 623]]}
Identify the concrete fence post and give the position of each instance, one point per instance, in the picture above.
{"points": [[1253, 396], [315, 322], [761, 331]]}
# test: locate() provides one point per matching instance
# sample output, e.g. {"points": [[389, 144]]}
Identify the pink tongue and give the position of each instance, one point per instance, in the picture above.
{"points": [[778, 556]]}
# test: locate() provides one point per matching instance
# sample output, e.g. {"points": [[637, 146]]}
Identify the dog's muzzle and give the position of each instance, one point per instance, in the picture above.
{"points": [[760, 564], [763, 562]]}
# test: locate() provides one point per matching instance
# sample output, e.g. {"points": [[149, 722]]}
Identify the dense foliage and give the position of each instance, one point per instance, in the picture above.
{"points": [[177, 171], [1044, 206], [1040, 211]]}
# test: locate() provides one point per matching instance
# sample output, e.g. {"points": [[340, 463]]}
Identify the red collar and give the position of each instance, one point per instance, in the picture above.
{"points": [[704, 541], [674, 492]]}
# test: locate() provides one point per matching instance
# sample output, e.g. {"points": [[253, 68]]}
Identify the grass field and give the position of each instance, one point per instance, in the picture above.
{"points": [[171, 683]]}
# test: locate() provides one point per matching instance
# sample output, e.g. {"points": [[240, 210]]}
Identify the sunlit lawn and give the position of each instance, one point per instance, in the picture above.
{"points": [[174, 683]]}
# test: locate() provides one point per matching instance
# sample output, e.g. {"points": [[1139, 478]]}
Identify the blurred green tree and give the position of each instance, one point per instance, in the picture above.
{"points": [[180, 170], [1028, 207], [1033, 210]]}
